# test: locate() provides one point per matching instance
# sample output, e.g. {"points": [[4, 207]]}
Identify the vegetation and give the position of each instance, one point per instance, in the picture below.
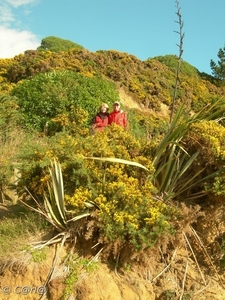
{"points": [[53, 43], [61, 100], [76, 265], [18, 229], [218, 69], [60, 103], [124, 191]]}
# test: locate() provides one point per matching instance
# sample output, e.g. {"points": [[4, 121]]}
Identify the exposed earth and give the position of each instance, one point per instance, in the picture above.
{"points": [[177, 272]]}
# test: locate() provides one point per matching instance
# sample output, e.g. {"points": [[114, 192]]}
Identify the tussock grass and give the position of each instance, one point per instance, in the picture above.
{"points": [[18, 227]]}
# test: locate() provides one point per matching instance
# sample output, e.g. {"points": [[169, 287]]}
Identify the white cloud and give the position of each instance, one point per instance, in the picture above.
{"points": [[17, 3], [6, 16], [14, 42]]}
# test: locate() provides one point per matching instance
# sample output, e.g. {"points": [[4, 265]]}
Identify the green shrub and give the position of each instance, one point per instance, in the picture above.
{"points": [[51, 95]]}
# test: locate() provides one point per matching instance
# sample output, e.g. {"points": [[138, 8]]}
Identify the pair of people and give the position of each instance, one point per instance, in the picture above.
{"points": [[104, 118]]}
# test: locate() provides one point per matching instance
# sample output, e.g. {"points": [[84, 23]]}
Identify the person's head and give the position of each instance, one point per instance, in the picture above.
{"points": [[116, 106], [104, 108]]}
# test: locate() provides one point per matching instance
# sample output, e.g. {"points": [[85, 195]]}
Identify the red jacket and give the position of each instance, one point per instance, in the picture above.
{"points": [[118, 117], [100, 121]]}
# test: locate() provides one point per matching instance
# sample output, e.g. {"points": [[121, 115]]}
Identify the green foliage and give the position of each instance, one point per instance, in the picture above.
{"points": [[169, 295], [218, 69], [54, 201], [171, 61], [128, 212], [180, 161], [149, 82], [128, 204], [222, 260], [9, 115], [207, 137], [18, 225], [9, 138], [47, 98], [124, 196], [39, 255], [145, 127], [75, 266], [5, 86], [173, 160], [54, 209], [52, 43]]}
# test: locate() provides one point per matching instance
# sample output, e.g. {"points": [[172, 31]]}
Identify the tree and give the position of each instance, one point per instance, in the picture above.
{"points": [[218, 70], [55, 44]]}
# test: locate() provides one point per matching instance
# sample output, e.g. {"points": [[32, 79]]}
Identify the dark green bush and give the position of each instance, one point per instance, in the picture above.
{"points": [[49, 95]]}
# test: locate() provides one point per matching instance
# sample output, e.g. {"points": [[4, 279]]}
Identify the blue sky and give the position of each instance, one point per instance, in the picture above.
{"points": [[144, 28]]}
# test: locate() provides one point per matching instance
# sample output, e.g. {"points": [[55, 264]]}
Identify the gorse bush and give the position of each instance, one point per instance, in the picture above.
{"points": [[128, 213], [125, 204], [132, 204], [127, 209], [70, 151], [207, 137]]}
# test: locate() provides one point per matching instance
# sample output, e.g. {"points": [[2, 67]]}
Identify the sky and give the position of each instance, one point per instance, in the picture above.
{"points": [[143, 28]]}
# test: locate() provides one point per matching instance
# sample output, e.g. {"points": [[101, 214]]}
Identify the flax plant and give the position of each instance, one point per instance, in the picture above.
{"points": [[119, 160], [172, 161], [54, 201], [54, 209]]}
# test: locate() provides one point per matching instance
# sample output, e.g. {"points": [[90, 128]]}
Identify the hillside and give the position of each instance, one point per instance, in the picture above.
{"points": [[149, 82], [149, 225]]}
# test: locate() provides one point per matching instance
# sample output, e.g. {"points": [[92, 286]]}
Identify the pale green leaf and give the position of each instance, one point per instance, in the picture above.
{"points": [[119, 160]]}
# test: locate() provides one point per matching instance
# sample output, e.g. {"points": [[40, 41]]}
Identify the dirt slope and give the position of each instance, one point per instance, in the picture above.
{"points": [[150, 276]]}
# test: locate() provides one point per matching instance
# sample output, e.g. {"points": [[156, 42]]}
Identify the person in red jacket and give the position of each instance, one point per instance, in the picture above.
{"points": [[118, 116], [101, 119]]}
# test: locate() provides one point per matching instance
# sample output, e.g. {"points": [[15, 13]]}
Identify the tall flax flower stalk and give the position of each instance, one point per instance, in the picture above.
{"points": [[181, 35]]}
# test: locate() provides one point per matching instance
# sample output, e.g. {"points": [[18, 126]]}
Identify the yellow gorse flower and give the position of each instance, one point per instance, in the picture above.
{"points": [[80, 196]]}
